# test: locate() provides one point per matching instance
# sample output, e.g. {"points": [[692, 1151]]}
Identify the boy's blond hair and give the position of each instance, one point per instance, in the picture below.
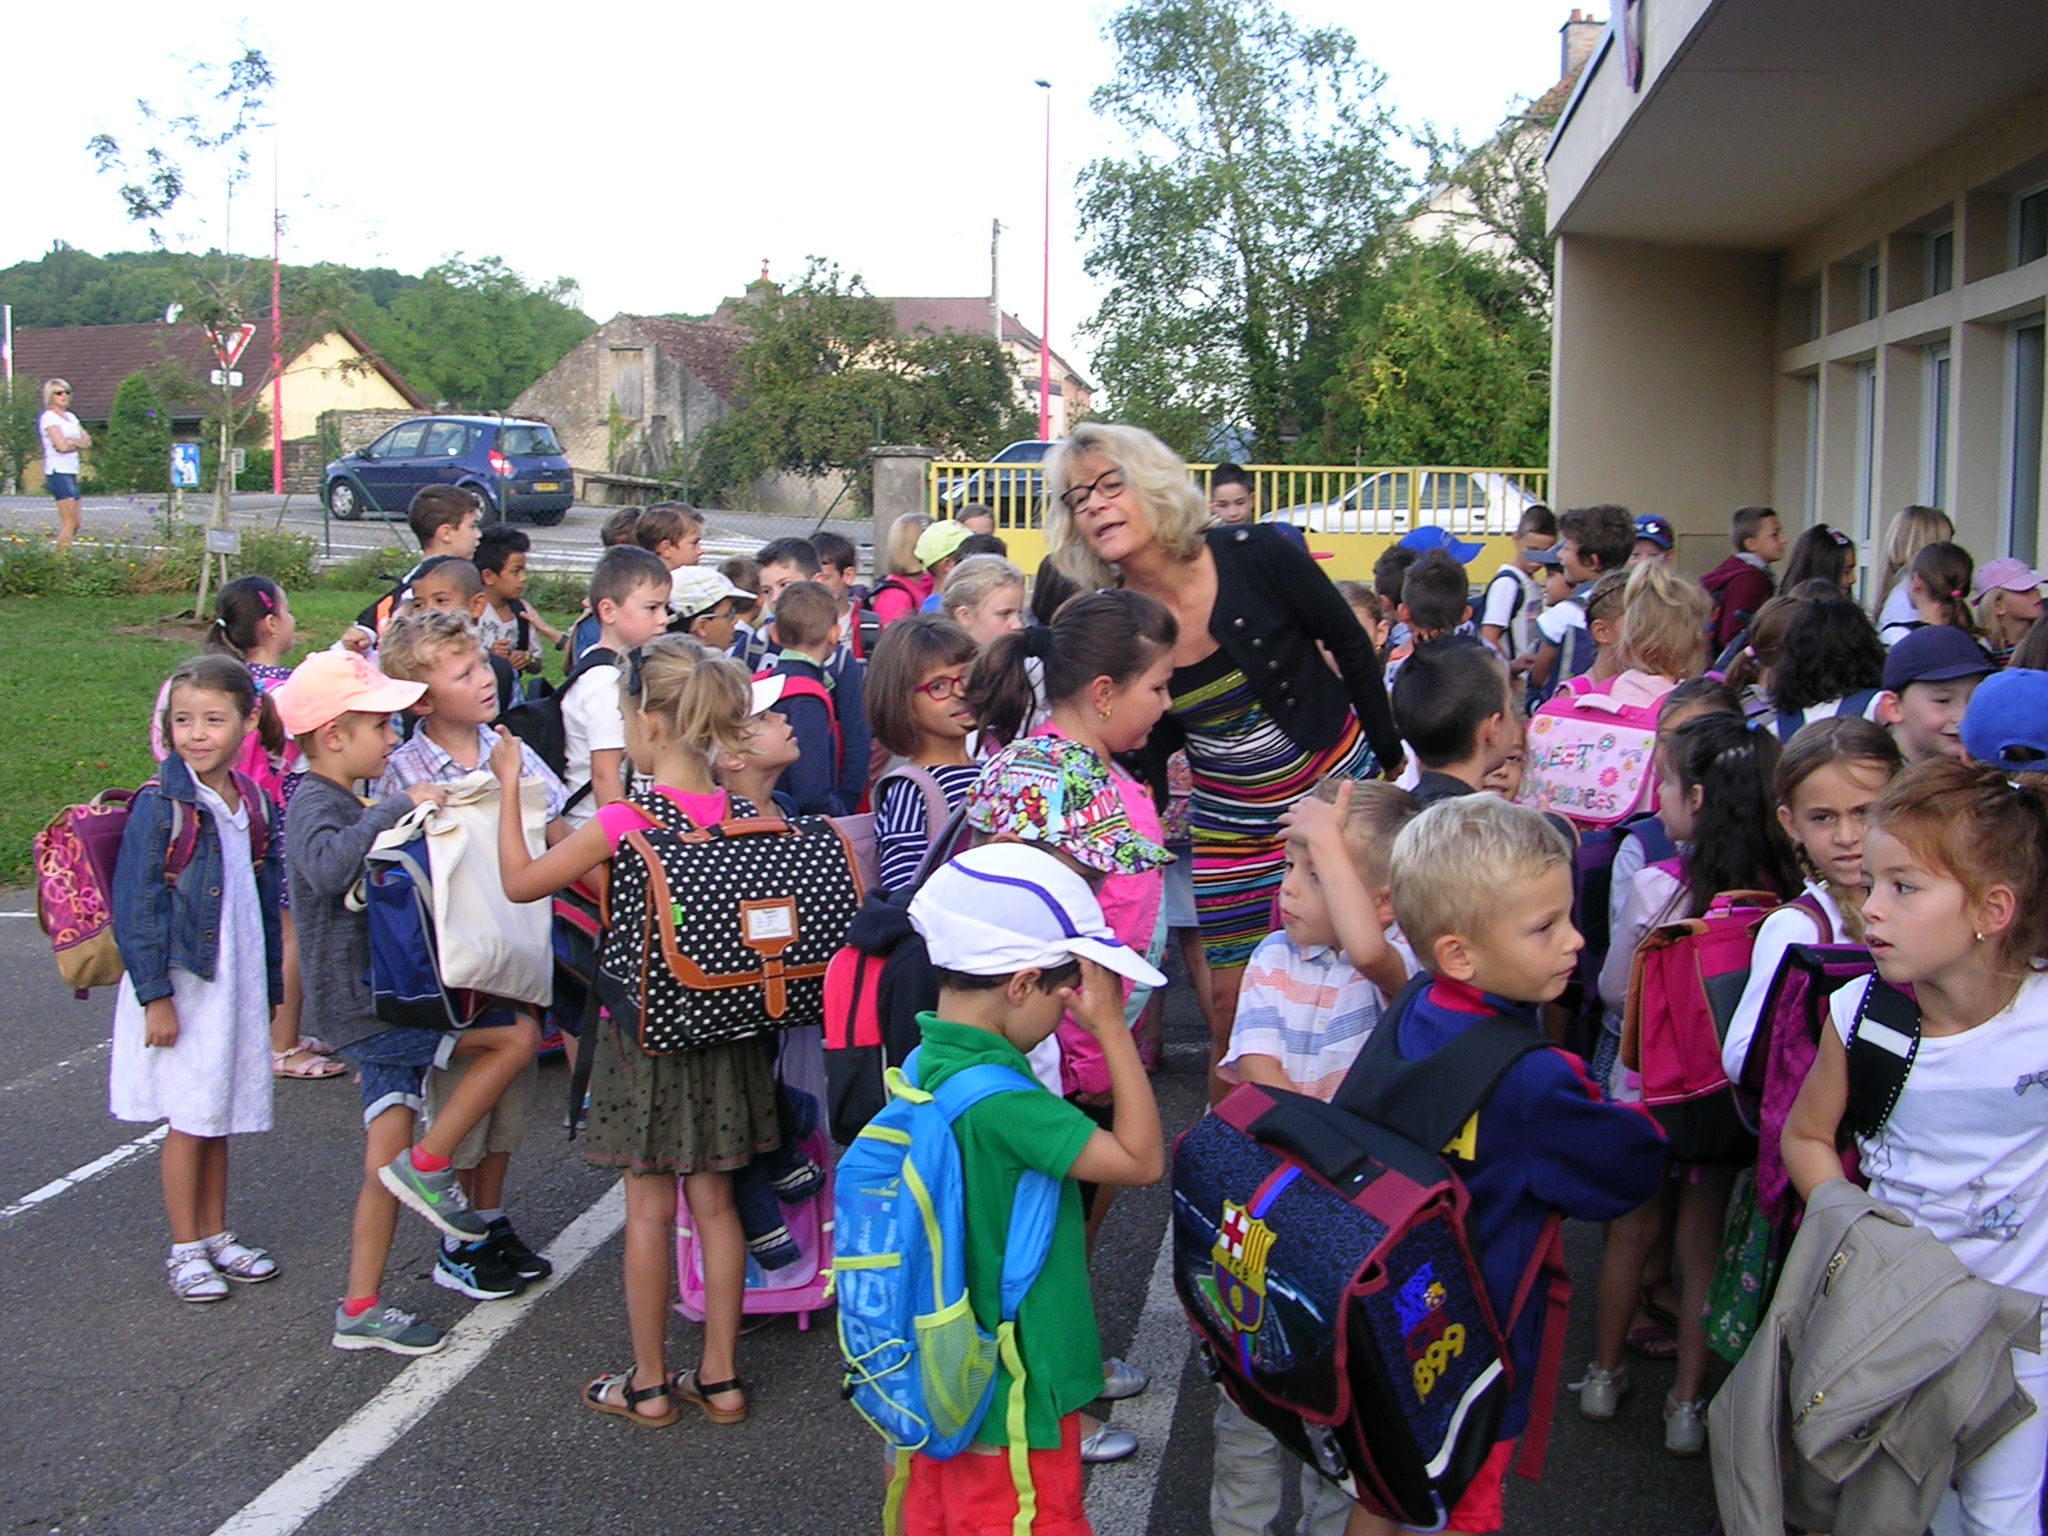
{"points": [[1451, 863], [413, 642], [1378, 813]]}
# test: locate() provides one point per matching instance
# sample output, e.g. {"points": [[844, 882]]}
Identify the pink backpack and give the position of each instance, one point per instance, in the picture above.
{"points": [[1590, 757], [75, 858], [1682, 991]]}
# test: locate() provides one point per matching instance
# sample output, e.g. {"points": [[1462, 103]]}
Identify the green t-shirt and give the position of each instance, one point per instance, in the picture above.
{"points": [[999, 1138]]}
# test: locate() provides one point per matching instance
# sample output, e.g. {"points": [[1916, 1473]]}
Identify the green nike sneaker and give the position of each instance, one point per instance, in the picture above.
{"points": [[436, 1196]]}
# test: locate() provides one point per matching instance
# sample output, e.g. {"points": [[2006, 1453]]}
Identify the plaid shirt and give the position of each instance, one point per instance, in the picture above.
{"points": [[421, 761]]}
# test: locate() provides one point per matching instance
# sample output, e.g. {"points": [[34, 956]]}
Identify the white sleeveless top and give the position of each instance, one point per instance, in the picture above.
{"points": [[1965, 1153]]}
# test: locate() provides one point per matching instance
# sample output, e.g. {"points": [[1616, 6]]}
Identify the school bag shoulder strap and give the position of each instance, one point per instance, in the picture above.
{"points": [[1428, 1099], [1883, 1041], [1035, 1207], [1810, 904], [936, 809]]}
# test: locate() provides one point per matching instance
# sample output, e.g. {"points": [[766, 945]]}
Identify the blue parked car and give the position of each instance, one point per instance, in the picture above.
{"points": [[516, 468]]}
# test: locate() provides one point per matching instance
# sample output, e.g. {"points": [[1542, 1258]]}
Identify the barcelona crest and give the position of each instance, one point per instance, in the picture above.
{"points": [[1239, 1268]]}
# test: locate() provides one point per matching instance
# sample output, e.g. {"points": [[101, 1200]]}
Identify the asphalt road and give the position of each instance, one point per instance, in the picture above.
{"points": [[571, 544], [130, 1413]]}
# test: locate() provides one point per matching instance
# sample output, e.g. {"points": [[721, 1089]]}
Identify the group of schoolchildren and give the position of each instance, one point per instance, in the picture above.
{"points": [[1871, 776]]}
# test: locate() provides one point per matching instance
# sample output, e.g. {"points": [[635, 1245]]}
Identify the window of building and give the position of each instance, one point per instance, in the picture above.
{"points": [[2030, 226], [2023, 497], [1868, 291], [1941, 261], [1934, 480], [1811, 389], [1866, 450]]}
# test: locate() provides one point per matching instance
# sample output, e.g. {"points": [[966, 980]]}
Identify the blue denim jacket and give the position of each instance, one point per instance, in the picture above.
{"points": [[158, 926]]}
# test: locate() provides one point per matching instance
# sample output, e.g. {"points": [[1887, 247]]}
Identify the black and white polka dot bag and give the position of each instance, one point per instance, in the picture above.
{"points": [[724, 932]]}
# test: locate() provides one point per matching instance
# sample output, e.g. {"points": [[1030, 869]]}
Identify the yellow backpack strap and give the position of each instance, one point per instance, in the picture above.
{"points": [[892, 1506], [1014, 1425]]}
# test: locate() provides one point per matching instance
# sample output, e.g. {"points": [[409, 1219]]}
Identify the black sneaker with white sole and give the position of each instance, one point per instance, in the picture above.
{"points": [[477, 1270], [524, 1262]]}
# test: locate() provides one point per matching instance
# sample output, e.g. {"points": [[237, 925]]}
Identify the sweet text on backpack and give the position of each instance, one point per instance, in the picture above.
{"points": [[919, 1366], [1321, 1252], [538, 722], [75, 860], [722, 933], [1591, 758]]}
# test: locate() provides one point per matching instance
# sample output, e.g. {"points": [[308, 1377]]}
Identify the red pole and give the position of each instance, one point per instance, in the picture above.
{"points": [[1045, 313], [276, 335]]}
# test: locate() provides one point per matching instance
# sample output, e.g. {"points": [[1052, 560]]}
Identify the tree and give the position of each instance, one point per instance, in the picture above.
{"points": [[21, 405], [135, 452], [474, 333], [1498, 200], [824, 376], [1261, 162], [1446, 361]]}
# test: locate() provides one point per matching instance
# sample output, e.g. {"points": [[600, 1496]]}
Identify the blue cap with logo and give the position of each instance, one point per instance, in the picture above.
{"points": [[1423, 540]]}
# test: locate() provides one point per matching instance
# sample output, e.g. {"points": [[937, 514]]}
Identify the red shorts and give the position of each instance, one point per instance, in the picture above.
{"points": [[971, 1494], [1479, 1507]]}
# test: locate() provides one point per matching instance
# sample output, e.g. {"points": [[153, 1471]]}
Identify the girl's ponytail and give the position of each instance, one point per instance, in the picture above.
{"points": [[1737, 843], [1944, 570], [999, 689]]}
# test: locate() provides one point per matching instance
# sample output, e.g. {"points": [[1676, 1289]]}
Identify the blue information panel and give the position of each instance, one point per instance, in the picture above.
{"points": [[185, 466]]}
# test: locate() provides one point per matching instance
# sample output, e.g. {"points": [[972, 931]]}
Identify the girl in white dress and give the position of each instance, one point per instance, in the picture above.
{"points": [[196, 919], [1957, 858]]}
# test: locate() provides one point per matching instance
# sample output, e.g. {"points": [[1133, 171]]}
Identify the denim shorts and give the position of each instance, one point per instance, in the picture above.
{"points": [[392, 1065], [62, 487]]}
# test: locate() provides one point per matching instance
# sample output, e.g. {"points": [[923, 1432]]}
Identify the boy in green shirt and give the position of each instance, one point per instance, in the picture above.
{"points": [[1016, 938]]}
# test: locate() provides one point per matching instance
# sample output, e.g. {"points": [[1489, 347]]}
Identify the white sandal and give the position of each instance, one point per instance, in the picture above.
{"points": [[194, 1279], [236, 1260]]}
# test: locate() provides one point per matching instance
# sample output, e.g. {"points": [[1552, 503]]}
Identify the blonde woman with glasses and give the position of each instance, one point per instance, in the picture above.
{"points": [[62, 438], [1262, 717]]}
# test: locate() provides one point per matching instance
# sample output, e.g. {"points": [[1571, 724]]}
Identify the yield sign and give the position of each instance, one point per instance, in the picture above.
{"points": [[228, 345]]}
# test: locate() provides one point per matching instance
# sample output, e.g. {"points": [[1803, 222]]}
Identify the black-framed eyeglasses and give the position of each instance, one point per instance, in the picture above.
{"points": [[64, 392], [1105, 485]]}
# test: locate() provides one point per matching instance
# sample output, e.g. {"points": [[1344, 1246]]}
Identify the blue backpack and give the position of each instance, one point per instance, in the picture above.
{"points": [[405, 981], [919, 1367]]}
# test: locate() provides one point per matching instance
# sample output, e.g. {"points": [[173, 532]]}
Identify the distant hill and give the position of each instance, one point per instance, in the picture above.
{"points": [[472, 334]]}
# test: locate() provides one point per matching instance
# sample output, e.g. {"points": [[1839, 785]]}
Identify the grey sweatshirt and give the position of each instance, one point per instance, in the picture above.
{"points": [[327, 832]]}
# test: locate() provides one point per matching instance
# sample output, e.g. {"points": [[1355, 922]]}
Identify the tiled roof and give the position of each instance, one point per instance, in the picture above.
{"points": [[96, 358], [708, 350], [970, 314]]}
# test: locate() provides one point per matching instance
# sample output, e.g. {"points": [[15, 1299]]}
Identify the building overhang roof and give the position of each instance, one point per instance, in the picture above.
{"points": [[1762, 117]]}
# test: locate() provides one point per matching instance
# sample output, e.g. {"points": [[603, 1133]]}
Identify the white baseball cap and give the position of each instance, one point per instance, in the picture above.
{"points": [[1008, 907], [767, 692]]}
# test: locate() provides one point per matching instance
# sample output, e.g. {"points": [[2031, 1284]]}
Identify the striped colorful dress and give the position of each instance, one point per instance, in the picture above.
{"points": [[1246, 773]]}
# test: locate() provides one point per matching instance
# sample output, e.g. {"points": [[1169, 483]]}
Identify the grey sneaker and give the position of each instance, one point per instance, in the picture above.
{"points": [[388, 1329], [1685, 1427], [436, 1196], [1600, 1392], [1120, 1380]]}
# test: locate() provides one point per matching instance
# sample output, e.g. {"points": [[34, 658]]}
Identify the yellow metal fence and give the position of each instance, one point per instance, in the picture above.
{"points": [[1349, 512]]}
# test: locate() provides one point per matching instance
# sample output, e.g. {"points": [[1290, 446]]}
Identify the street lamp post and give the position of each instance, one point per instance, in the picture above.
{"points": [[276, 331], [1045, 310]]}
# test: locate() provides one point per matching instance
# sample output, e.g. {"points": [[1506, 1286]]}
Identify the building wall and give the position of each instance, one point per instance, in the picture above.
{"points": [[1661, 393], [675, 408], [316, 381], [1869, 417]]}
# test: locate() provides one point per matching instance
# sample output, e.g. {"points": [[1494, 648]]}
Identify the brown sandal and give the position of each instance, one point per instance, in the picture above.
{"points": [[685, 1387], [597, 1397]]}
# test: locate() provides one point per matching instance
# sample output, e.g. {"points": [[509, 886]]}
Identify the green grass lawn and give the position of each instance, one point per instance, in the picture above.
{"points": [[78, 676]]}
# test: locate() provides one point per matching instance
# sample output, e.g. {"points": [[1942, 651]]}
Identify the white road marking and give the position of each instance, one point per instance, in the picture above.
{"points": [[1119, 1498], [45, 1075], [84, 1174], [374, 1428]]}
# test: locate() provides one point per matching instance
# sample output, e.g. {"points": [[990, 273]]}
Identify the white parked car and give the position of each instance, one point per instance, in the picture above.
{"points": [[1463, 501]]}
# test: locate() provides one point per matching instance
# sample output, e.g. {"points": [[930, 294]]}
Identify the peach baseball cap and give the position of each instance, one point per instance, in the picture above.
{"points": [[329, 684]]}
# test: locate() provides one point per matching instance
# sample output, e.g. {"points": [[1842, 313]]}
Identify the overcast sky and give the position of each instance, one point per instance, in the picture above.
{"points": [[656, 155]]}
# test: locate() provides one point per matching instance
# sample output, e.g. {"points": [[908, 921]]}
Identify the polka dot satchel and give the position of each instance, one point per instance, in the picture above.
{"points": [[723, 932]]}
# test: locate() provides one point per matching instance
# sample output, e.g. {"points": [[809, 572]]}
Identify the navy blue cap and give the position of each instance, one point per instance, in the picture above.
{"points": [[1656, 529], [1940, 653]]}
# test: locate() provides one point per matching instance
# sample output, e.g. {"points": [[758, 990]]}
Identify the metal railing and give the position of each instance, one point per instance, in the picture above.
{"points": [[1349, 512]]}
